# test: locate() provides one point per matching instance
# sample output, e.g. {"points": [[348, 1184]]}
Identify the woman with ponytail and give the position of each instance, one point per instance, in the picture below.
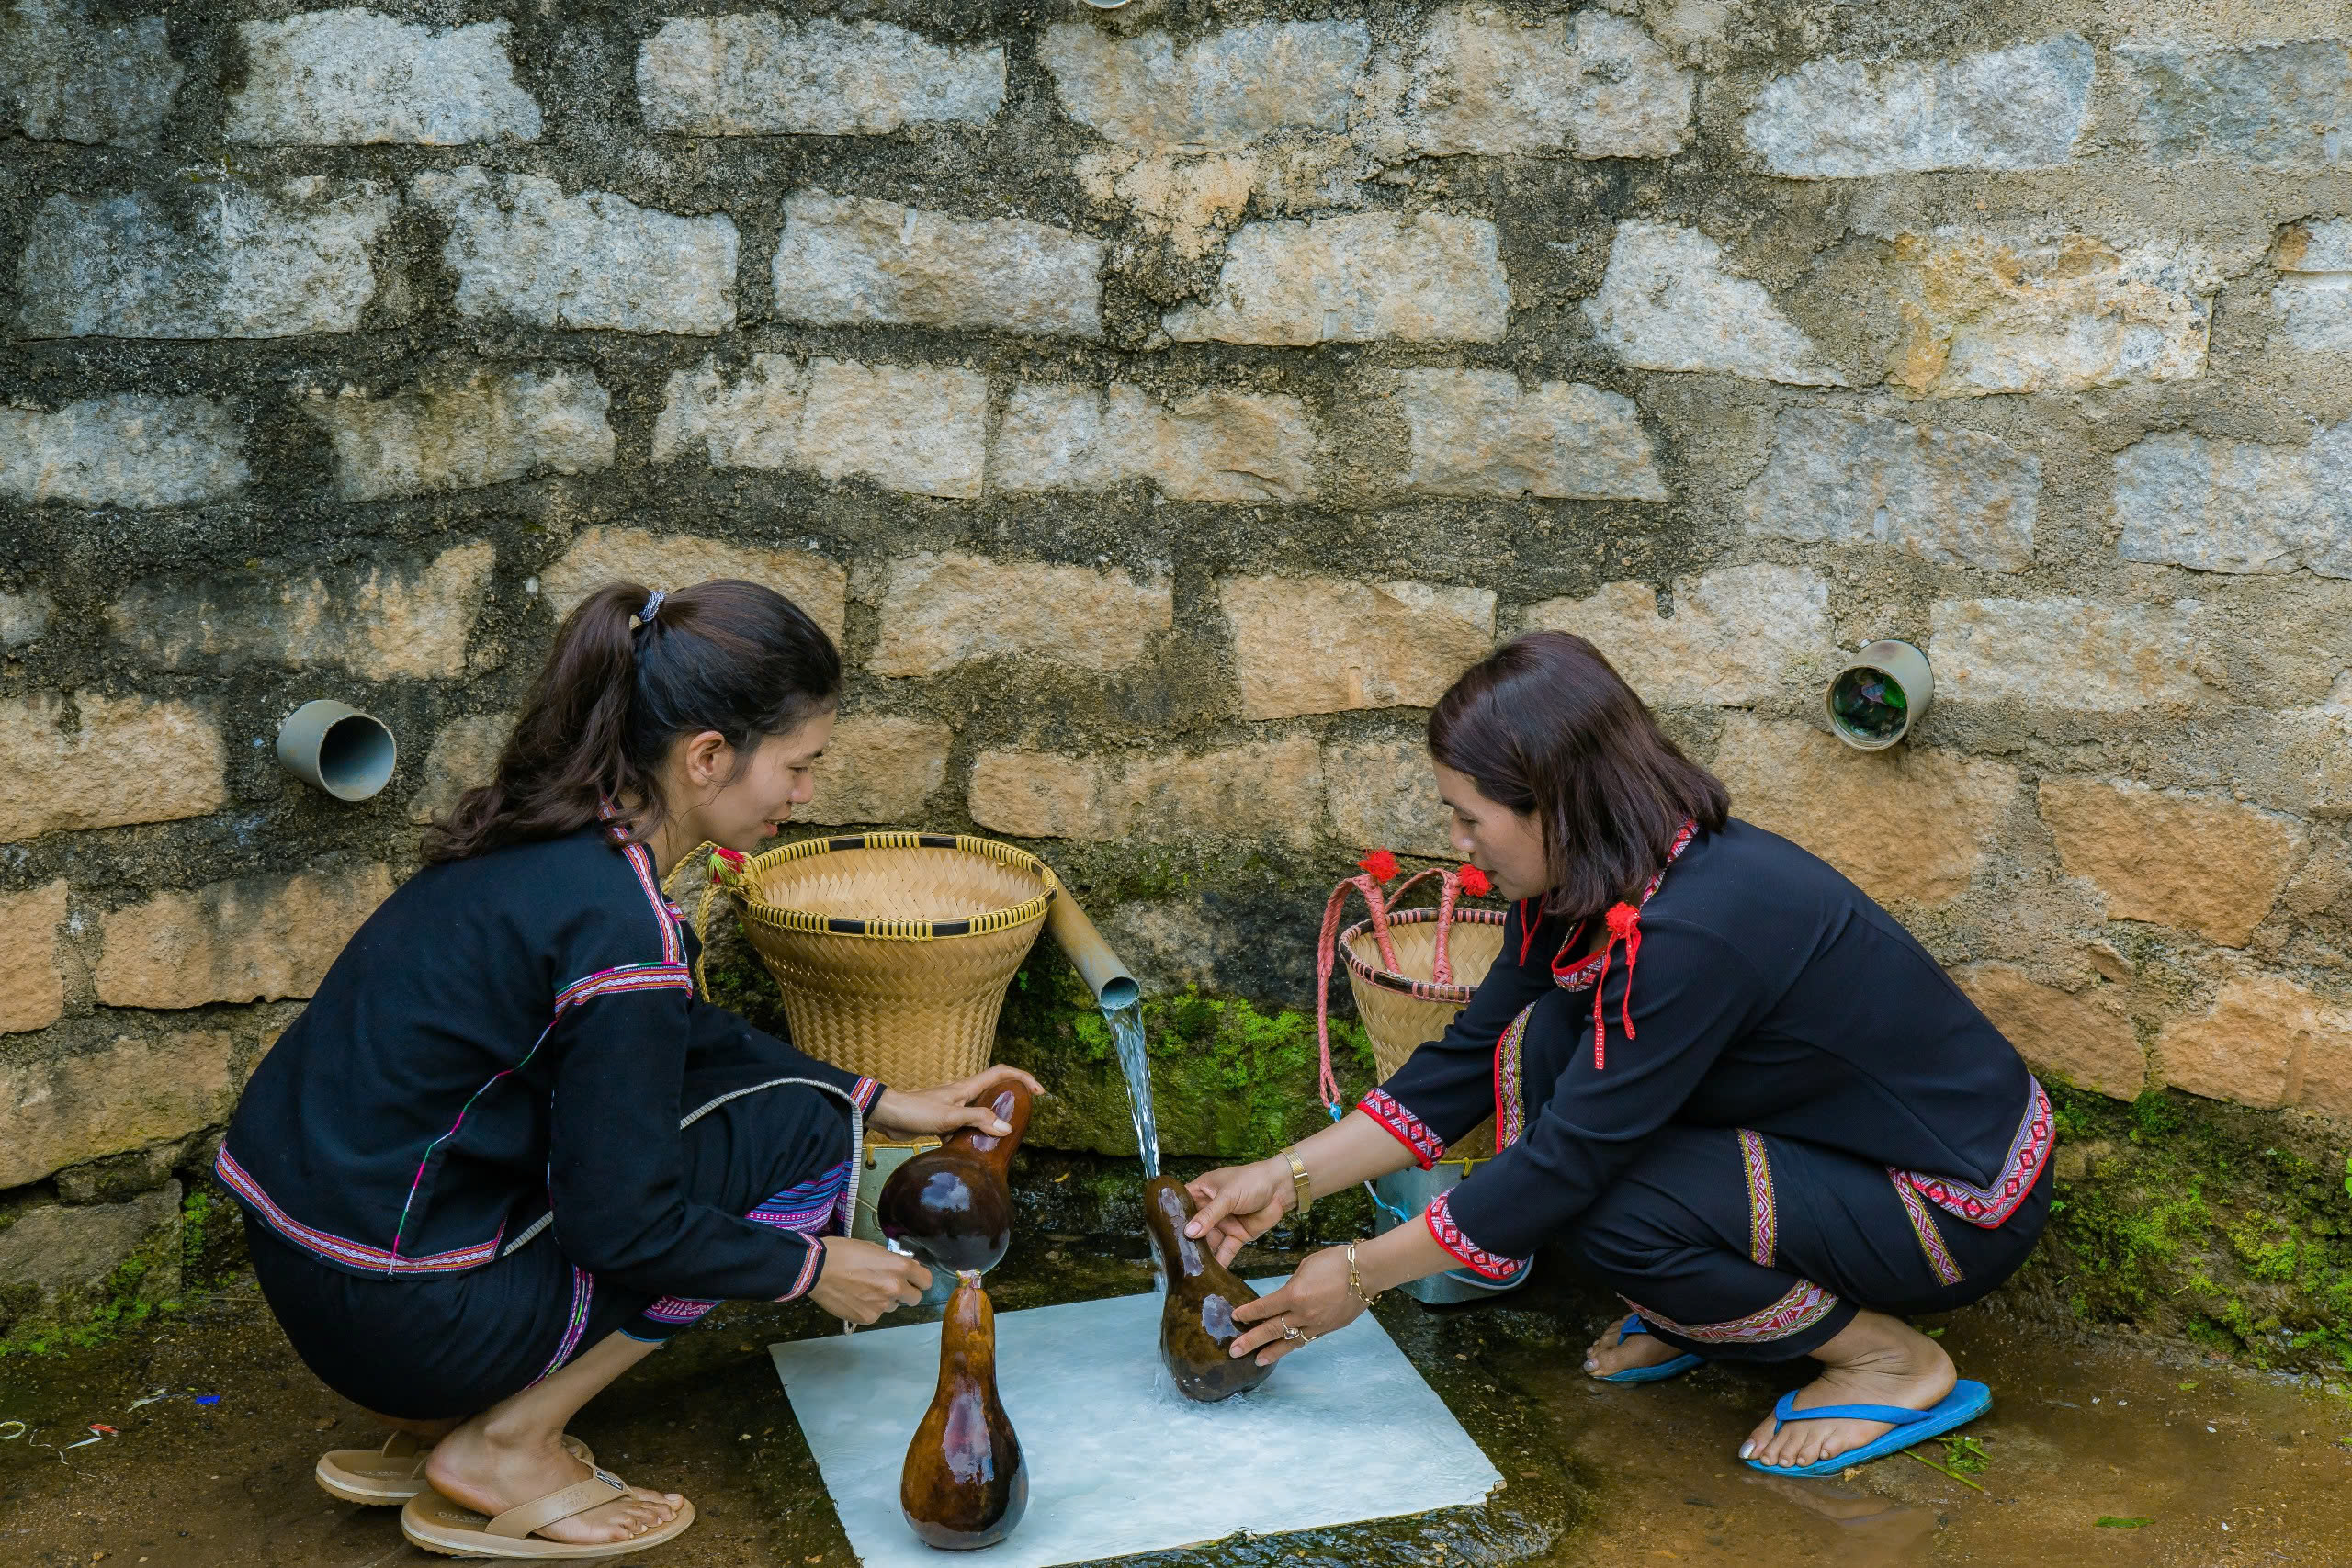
{"points": [[507, 1150]]}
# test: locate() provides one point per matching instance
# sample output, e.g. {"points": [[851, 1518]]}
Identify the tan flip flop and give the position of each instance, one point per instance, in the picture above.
{"points": [[395, 1473], [436, 1524]]}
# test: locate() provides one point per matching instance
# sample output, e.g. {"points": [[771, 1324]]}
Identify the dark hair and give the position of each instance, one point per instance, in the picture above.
{"points": [[618, 689], [1546, 727]]}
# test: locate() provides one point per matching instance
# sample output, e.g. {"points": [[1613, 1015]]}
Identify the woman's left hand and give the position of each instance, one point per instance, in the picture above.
{"points": [[1315, 1302], [902, 1113]]}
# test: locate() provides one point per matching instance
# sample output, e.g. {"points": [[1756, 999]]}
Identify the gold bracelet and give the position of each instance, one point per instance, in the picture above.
{"points": [[1355, 1280], [1300, 1187]]}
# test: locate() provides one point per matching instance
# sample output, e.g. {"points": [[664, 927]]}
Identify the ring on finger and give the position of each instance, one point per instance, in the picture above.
{"points": [[1292, 1332]]}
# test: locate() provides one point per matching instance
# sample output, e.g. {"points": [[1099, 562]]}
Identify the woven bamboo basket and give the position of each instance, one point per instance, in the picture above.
{"points": [[1404, 1007], [893, 950]]}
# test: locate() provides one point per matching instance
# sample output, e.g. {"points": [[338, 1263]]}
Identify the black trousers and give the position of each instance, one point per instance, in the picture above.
{"points": [[1743, 1247], [432, 1347]]}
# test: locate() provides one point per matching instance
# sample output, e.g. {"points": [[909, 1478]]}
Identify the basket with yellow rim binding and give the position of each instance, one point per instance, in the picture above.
{"points": [[893, 950]]}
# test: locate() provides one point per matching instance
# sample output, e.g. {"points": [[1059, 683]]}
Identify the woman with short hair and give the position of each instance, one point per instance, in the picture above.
{"points": [[1726, 1081], [510, 1147]]}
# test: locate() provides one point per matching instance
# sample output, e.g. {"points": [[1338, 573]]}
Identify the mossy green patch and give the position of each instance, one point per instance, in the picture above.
{"points": [[2227, 1226], [1229, 1080]]}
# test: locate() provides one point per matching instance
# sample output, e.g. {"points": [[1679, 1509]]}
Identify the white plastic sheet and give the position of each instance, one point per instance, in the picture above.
{"points": [[1118, 1462]]}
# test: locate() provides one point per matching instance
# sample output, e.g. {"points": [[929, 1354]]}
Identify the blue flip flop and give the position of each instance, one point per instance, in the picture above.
{"points": [[1964, 1404], [1660, 1373]]}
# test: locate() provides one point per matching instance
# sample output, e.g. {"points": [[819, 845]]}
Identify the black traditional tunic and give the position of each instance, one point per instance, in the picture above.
{"points": [[510, 1046], [1761, 1105]]}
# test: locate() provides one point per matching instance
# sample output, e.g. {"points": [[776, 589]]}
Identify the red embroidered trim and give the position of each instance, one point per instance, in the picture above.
{"points": [[584, 1286], [863, 1092], [808, 1267], [1493, 1265], [1763, 1219], [1624, 925], [1806, 1304], [235, 1176], [1923, 1225], [1404, 1126], [1990, 1206]]}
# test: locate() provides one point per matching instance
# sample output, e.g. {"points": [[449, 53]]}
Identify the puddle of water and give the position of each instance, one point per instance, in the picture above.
{"points": [[1596, 1476], [1127, 1033]]}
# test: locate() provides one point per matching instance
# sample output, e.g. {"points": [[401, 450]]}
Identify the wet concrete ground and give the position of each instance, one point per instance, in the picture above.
{"points": [[2223, 1465]]}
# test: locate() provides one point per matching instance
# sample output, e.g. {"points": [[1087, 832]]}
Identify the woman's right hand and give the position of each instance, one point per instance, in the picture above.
{"points": [[861, 1281], [1239, 1203]]}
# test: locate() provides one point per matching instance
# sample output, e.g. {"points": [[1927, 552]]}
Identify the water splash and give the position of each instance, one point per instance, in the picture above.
{"points": [[1127, 1033]]}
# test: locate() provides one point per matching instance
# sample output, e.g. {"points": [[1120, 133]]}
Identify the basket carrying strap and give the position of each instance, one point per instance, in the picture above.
{"points": [[1328, 949]]}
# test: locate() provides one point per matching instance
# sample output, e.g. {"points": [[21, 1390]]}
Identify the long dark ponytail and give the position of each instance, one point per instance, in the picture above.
{"points": [[629, 674]]}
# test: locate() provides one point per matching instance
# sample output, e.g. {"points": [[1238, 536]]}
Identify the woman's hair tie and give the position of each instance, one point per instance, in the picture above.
{"points": [[652, 606]]}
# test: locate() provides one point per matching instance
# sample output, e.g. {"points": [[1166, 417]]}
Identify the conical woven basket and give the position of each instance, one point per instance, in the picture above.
{"points": [[1404, 1007], [893, 950]]}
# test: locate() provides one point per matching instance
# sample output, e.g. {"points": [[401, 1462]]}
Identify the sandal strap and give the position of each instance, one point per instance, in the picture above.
{"points": [[1634, 1326], [520, 1520], [401, 1445], [1786, 1411]]}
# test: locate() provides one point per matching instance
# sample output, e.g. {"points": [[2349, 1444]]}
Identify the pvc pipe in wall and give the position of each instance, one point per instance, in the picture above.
{"points": [[338, 748]]}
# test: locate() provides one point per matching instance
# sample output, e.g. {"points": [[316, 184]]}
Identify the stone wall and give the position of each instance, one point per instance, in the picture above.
{"points": [[1162, 405]]}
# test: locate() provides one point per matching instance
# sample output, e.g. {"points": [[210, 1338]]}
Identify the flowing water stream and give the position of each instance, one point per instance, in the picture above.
{"points": [[1127, 1033]]}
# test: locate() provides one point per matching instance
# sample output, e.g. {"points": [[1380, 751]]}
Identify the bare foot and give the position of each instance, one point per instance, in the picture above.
{"points": [[1607, 1354], [1875, 1360], [491, 1473]]}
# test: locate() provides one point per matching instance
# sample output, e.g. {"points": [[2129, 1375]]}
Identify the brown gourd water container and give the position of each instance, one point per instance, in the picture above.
{"points": [[1196, 1326], [952, 1206], [964, 1484]]}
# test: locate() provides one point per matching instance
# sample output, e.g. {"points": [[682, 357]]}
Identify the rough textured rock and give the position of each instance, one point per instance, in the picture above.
{"points": [[24, 617], [464, 754], [56, 1252], [1430, 278], [32, 987], [849, 261], [939, 611], [1383, 795], [1268, 789], [100, 762], [255, 938], [1808, 786], [1321, 645], [2070, 654], [678, 560], [1483, 81], [128, 450], [1206, 446], [1953, 497], [2238, 507], [2253, 1045], [398, 619], [2325, 1080], [916, 428], [1737, 635], [756, 75], [73, 77], [335, 78], [879, 770], [2070, 1035], [138, 1089], [2210, 866], [1479, 432], [212, 260], [2019, 108], [461, 434], [524, 252], [2313, 303], [2273, 105], [1222, 91], [922, 429], [1667, 303], [1987, 313]]}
